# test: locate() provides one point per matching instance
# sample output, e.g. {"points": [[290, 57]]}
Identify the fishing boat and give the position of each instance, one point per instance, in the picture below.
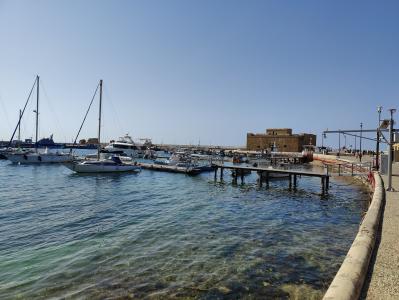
{"points": [[35, 157], [99, 165]]}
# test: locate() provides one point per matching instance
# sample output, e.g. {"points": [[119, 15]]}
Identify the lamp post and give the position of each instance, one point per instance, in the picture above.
{"points": [[355, 145], [323, 136], [339, 143], [360, 143], [377, 149], [390, 150]]}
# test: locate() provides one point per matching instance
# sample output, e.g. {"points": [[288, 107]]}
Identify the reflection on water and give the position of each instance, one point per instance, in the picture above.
{"points": [[160, 235]]}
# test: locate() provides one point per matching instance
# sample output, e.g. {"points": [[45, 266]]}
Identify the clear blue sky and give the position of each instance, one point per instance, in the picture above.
{"points": [[180, 71]]}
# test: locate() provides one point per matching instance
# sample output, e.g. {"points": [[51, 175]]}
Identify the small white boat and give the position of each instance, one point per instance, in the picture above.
{"points": [[180, 159]]}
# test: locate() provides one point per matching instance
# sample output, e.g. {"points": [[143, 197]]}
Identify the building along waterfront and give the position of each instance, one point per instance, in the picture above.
{"points": [[282, 138]]}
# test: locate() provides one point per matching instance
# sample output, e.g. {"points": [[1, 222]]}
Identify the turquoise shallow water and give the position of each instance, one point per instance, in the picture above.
{"points": [[160, 235]]}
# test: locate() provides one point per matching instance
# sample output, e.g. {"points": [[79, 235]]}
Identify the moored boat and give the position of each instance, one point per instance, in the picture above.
{"points": [[124, 144], [99, 165], [23, 157], [37, 157], [102, 166]]}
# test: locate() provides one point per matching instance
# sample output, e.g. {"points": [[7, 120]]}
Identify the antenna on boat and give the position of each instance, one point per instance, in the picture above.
{"points": [[99, 120]]}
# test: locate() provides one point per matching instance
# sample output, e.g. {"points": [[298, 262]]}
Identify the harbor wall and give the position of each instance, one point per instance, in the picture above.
{"points": [[348, 282], [325, 158]]}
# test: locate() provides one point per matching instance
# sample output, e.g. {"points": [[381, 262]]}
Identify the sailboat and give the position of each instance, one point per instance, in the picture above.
{"points": [[114, 164], [35, 157]]}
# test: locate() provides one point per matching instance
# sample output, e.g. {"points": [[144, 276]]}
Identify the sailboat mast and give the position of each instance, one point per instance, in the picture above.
{"points": [[99, 121], [37, 110], [19, 125]]}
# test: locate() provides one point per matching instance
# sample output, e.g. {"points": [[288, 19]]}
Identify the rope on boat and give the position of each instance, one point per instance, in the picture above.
{"points": [[22, 113]]}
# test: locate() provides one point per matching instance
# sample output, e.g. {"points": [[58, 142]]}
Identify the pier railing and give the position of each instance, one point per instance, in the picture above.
{"points": [[348, 168]]}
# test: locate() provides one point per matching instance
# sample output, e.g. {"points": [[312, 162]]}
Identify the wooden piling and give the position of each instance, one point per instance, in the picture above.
{"points": [[264, 175], [327, 182]]}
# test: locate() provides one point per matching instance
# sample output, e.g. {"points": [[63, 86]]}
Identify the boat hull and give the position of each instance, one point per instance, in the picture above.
{"points": [[101, 168], [37, 158]]}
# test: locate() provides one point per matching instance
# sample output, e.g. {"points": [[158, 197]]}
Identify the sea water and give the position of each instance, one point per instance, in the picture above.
{"points": [[161, 235]]}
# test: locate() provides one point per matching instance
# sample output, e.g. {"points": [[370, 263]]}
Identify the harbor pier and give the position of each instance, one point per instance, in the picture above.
{"points": [[268, 174]]}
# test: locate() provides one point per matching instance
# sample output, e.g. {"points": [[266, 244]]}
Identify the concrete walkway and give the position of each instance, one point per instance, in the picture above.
{"points": [[382, 281]]}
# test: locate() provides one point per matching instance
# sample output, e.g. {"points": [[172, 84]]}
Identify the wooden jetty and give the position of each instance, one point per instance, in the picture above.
{"points": [[268, 174], [175, 169]]}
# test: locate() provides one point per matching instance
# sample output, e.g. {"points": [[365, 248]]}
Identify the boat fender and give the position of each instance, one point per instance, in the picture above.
{"points": [[25, 157], [39, 158]]}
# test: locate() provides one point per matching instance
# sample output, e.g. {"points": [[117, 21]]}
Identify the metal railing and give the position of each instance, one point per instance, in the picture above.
{"points": [[347, 168]]}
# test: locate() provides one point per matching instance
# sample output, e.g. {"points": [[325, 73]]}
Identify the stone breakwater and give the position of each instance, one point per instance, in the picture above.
{"points": [[349, 280]]}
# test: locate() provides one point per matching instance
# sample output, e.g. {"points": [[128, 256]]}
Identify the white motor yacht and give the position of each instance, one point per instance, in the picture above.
{"points": [[125, 144]]}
